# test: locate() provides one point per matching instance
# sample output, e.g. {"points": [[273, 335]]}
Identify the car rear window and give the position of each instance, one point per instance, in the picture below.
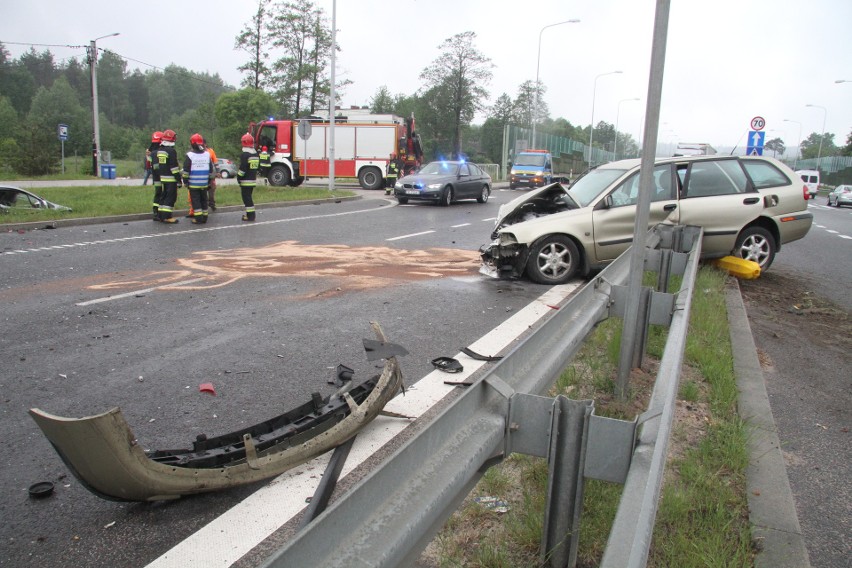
{"points": [[763, 174], [714, 177]]}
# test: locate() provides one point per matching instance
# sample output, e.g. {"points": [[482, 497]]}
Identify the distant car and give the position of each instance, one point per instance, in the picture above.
{"points": [[17, 199], [748, 207], [226, 168], [444, 182], [840, 195], [811, 178]]}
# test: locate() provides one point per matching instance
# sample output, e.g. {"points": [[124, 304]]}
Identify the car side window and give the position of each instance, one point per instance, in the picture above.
{"points": [[628, 192], [714, 177], [464, 170], [764, 175], [474, 170]]}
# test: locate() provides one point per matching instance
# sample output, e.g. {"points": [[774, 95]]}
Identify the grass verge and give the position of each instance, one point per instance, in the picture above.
{"points": [[101, 201], [703, 515]]}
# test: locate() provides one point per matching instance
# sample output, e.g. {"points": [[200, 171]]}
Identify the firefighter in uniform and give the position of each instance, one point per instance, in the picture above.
{"points": [[247, 175], [151, 156], [393, 174], [211, 198], [169, 175], [263, 167], [197, 172]]}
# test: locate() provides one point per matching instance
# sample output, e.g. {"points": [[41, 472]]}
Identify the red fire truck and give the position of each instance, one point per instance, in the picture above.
{"points": [[363, 145]]}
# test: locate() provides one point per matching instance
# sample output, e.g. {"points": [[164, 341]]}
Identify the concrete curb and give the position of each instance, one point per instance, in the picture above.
{"points": [[56, 223], [772, 511]]}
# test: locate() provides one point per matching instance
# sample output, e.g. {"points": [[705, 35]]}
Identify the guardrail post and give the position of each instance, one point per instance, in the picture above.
{"points": [[566, 461]]}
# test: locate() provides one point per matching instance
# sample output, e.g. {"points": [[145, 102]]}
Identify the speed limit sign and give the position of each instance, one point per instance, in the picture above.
{"points": [[758, 123]]}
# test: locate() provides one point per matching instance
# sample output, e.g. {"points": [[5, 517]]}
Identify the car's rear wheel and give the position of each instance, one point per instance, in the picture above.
{"points": [[225, 174], [756, 244], [553, 260], [446, 197], [483, 196]]}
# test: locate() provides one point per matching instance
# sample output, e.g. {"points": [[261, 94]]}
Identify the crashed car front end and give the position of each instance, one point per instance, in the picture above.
{"points": [[504, 257], [517, 227]]}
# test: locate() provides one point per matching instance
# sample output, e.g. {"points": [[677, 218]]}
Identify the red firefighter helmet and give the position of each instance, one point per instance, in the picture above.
{"points": [[265, 149], [247, 140], [169, 136], [157, 137], [196, 139]]}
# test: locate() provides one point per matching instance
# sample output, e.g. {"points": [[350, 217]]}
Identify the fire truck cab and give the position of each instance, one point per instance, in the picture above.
{"points": [[364, 144]]}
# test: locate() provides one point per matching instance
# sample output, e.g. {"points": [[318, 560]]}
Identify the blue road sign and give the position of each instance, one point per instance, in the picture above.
{"points": [[62, 130], [756, 138], [754, 150]]}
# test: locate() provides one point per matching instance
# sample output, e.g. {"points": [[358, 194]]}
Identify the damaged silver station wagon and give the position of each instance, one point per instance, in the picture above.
{"points": [[748, 207]]}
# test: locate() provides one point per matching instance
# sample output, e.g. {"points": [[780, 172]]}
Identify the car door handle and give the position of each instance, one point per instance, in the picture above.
{"points": [[670, 207], [750, 200]]}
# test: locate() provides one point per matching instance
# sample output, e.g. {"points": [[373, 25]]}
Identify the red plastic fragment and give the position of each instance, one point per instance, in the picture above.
{"points": [[207, 387]]}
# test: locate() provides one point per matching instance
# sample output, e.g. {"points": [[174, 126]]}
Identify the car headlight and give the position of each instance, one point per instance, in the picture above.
{"points": [[539, 173], [507, 239], [397, 185], [435, 185], [513, 171]]}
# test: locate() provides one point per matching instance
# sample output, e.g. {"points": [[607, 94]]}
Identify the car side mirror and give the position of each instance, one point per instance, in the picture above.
{"points": [[607, 202]]}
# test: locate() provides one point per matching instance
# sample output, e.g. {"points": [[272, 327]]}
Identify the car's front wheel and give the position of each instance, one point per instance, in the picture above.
{"points": [[446, 197], [756, 244], [483, 196], [225, 174], [553, 260], [402, 200]]}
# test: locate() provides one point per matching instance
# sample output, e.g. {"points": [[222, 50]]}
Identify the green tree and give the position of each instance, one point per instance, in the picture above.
{"points": [[776, 146], [455, 83], [529, 104], [254, 39], [299, 31], [16, 82], [383, 102], [847, 150], [40, 66], [8, 145], [233, 112], [810, 146], [37, 141], [113, 94]]}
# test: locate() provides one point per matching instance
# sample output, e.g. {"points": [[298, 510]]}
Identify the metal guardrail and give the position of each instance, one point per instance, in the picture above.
{"points": [[389, 517]]}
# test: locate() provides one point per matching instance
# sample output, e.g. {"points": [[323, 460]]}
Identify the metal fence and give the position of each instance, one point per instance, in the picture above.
{"points": [[389, 517]]}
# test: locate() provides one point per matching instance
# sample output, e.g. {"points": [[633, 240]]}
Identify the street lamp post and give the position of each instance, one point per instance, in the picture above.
{"points": [[592, 126], [617, 113], [798, 142], [96, 142], [824, 116], [537, 66]]}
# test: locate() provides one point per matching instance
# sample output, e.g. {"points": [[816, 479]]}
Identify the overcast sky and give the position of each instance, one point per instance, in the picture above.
{"points": [[726, 60]]}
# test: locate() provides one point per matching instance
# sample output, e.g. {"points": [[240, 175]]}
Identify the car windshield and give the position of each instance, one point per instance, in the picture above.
{"points": [[439, 169], [530, 160], [588, 187]]}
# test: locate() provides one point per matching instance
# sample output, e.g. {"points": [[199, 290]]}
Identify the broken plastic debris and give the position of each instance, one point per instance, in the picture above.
{"points": [[207, 387], [492, 504], [447, 364]]}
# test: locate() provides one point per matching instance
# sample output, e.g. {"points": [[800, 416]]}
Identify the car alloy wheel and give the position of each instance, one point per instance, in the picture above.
{"points": [[553, 260], [756, 244], [483, 197]]}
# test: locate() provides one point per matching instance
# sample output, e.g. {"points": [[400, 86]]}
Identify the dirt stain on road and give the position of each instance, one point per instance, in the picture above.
{"points": [[337, 267]]}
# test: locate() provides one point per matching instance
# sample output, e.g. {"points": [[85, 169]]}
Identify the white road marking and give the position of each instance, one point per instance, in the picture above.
{"points": [[236, 532], [145, 291], [490, 219], [462, 225], [407, 236], [178, 233]]}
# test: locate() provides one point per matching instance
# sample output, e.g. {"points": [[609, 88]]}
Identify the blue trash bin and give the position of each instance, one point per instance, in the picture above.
{"points": [[108, 171]]}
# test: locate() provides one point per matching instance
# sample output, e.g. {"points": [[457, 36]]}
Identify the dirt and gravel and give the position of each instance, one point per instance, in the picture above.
{"points": [[804, 344]]}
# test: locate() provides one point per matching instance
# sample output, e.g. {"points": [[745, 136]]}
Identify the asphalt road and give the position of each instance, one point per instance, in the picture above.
{"points": [[799, 315], [138, 315]]}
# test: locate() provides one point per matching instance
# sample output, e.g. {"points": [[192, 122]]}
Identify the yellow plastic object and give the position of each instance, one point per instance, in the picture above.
{"points": [[739, 267]]}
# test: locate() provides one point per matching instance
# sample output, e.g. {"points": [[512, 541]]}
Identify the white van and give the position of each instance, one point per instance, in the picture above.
{"points": [[811, 179]]}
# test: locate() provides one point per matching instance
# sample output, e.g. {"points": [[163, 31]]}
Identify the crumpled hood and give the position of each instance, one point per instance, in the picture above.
{"points": [[553, 198]]}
